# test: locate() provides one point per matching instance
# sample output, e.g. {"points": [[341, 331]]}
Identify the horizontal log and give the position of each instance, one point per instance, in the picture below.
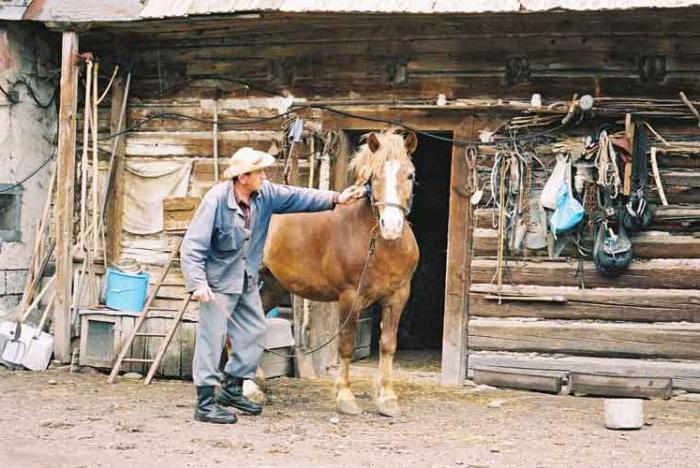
{"points": [[543, 381], [586, 364], [559, 86], [655, 274], [195, 144], [668, 340], [619, 386], [672, 218], [302, 26], [245, 112], [644, 244], [634, 305]]}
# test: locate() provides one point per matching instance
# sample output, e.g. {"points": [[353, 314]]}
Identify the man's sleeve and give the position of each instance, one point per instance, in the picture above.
{"points": [[196, 244], [289, 199]]}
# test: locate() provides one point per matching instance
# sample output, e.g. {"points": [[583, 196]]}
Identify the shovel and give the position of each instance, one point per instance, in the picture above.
{"points": [[20, 335], [40, 347], [15, 347]]}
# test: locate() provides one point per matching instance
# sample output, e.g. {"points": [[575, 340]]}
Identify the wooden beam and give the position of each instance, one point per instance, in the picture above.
{"points": [[586, 364], [526, 379], [116, 198], [64, 198], [668, 340], [454, 338], [614, 304], [644, 245], [620, 386], [656, 274], [339, 169]]}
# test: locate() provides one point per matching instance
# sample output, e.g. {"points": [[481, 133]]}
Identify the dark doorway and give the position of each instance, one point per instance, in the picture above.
{"points": [[421, 322]]}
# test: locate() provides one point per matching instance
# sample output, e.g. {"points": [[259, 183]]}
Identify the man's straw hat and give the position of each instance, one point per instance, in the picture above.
{"points": [[247, 160]]}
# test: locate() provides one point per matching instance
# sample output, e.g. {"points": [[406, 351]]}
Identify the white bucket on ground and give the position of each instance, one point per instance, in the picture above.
{"points": [[624, 413]]}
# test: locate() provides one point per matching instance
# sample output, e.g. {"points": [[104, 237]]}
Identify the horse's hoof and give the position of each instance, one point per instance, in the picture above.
{"points": [[389, 408], [347, 406]]}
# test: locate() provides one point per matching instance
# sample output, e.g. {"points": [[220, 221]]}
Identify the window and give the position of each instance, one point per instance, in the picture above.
{"points": [[10, 210]]}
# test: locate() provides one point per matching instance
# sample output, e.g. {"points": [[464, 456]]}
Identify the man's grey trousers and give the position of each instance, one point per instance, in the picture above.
{"points": [[246, 329]]}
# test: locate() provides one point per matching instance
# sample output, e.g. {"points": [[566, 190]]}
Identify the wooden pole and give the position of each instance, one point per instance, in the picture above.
{"points": [[215, 139], [87, 117], [454, 337], [64, 198], [114, 192], [95, 163]]}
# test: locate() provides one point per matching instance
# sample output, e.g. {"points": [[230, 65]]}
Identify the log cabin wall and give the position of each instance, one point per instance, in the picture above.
{"points": [[371, 62]]}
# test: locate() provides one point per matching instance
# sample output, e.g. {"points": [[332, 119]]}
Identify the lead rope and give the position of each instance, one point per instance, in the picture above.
{"points": [[370, 253]]}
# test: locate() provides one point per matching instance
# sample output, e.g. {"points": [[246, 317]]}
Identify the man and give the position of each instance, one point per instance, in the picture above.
{"points": [[220, 256]]}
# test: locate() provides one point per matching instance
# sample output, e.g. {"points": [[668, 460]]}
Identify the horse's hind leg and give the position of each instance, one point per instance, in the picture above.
{"points": [[345, 400], [392, 306]]}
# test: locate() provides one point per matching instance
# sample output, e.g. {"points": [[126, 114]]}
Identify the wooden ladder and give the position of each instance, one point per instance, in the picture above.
{"points": [[167, 337]]}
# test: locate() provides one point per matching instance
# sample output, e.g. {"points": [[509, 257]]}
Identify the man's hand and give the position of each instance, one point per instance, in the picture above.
{"points": [[203, 294], [350, 194]]}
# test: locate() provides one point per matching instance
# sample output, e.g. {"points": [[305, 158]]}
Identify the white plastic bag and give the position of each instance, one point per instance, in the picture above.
{"points": [[550, 192]]}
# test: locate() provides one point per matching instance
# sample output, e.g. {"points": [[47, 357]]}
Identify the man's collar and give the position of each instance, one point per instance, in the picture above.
{"points": [[233, 198]]}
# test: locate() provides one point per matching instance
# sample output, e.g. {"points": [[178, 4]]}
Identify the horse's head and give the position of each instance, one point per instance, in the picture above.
{"points": [[384, 164]]}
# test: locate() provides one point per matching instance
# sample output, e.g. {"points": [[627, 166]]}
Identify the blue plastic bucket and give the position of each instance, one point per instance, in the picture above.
{"points": [[126, 291]]}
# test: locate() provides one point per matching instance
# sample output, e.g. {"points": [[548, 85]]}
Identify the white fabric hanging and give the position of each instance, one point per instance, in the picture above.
{"points": [[147, 185]]}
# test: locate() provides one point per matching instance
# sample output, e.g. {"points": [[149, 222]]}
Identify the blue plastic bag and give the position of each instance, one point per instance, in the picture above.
{"points": [[568, 212]]}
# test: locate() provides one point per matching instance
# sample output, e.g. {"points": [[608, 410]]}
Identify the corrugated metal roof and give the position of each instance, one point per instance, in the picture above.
{"points": [[181, 8], [77, 11], [80, 11], [12, 10]]}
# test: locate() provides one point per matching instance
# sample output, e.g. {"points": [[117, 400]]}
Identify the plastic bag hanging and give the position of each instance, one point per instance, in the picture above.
{"points": [[550, 192], [568, 212]]}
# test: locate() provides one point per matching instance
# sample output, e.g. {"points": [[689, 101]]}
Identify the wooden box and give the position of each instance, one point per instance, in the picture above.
{"points": [[279, 339], [102, 332], [178, 212], [363, 338]]}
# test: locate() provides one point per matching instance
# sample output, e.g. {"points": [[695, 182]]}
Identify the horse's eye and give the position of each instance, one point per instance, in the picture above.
{"points": [[411, 176]]}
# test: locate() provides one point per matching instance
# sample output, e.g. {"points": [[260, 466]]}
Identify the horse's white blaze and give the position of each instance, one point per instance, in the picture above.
{"points": [[391, 219]]}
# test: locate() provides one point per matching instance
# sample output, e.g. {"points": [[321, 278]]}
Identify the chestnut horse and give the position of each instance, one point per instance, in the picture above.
{"points": [[321, 256]]}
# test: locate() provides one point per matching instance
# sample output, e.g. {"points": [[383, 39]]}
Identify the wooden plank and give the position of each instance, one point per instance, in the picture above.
{"points": [[454, 339], [115, 207], [668, 340], [671, 218], [195, 144], [543, 381], [586, 364], [188, 331], [648, 244], [655, 274], [639, 305], [619, 386], [689, 384], [64, 198]]}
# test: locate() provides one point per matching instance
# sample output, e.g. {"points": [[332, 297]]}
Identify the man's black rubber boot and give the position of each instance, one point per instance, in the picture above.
{"points": [[231, 394], [208, 411]]}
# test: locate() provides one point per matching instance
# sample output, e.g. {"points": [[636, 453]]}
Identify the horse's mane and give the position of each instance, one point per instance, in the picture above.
{"points": [[364, 163]]}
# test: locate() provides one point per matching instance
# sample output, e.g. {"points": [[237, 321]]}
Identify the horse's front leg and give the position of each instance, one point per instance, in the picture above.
{"points": [[345, 399], [392, 306]]}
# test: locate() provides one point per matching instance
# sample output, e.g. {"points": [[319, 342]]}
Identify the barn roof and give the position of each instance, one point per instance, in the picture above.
{"points": [[180, 8], [79, 11]]}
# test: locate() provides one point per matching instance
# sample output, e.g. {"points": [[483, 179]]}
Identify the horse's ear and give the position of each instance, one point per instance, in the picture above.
{"points": [[411, 142], [373, 142]]}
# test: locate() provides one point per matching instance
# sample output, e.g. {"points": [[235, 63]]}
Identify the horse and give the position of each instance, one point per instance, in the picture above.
{"points": [[322, 256]]}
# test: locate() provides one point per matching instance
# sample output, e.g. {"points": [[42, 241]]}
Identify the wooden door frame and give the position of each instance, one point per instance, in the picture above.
{"points": [[459, 239]]}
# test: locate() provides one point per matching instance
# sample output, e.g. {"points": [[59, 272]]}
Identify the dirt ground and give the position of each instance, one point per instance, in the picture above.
{"points": [[59, 419]]}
